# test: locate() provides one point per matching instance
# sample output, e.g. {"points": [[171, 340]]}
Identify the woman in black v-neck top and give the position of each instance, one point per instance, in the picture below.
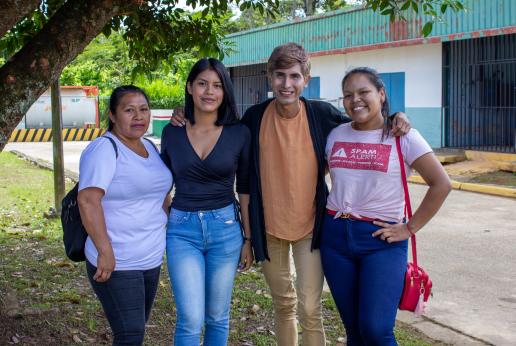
{"points": [[204, 234], [207, 184]]}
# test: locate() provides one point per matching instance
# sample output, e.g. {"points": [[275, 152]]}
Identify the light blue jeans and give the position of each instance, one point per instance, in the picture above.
{"points": [[203, 251]]}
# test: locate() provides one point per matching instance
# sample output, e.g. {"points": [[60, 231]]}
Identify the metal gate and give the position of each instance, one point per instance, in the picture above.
{"points": [[250, 85], [479, 93]]}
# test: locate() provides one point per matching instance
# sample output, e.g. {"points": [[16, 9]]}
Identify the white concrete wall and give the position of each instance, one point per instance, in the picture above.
{"points": [[422, 65]]}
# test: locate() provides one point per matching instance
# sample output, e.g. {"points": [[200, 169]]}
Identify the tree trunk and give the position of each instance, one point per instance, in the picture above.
{"points": [[40, 62], [13, 11], [309, 7]]}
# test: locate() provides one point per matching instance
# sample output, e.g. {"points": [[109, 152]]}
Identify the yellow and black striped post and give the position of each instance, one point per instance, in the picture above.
{"points": [[45, 135]]}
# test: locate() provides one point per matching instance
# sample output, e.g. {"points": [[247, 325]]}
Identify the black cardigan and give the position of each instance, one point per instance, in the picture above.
{"points": [[322, 118]]}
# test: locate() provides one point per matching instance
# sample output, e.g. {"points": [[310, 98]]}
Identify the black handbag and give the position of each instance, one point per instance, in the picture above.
{"points": [[74, 233]]}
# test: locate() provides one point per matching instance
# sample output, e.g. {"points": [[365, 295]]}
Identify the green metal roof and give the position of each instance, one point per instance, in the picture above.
{"points": [[362, 29]]}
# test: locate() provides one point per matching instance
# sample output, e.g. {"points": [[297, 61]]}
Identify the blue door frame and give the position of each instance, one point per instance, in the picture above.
{"points": [[395, 88], [313, 89]]}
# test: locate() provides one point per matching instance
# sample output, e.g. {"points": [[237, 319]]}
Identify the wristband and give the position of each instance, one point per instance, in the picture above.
{"points": [[246, 238]]}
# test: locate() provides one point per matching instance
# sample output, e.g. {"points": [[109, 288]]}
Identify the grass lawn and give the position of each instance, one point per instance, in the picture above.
{"points": [[46, 299], [502, 178]]}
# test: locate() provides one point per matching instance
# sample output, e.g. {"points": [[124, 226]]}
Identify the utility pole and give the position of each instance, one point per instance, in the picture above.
{"points": [[57, 145]]}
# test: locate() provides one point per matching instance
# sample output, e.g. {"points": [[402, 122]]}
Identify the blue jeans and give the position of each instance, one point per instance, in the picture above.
{"points": [[365, 276], [203, 251], [127, 299]]}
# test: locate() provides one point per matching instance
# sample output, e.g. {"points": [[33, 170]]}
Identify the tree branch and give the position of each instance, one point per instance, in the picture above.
{"points": [[67, 33], [13, 11]]}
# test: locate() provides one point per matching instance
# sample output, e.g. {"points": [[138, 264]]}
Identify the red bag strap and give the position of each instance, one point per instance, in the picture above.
{"points": [[408, 207]]}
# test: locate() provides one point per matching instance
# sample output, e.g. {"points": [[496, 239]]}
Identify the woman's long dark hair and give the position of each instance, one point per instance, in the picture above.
{"points": [[375, 79], [116, 96], [227, 112]]}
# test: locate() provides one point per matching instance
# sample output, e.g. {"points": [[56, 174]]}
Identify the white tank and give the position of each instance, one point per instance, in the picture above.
{"points": [[79, 106]]}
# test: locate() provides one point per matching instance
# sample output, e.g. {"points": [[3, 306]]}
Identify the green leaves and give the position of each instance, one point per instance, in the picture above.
{"points": [[155, 30], [163, 94], [22, 32], [405, 6], [158, 30], [105, 63], [18, 36], [431, 10], [427, 28]]}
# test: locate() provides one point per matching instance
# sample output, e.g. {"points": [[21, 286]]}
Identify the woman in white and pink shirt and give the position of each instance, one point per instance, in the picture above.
{"points": [[364, 240]]}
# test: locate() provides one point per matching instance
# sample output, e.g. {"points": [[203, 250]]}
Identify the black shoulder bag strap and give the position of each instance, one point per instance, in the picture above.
{"points": [[113, 144], [151, 142]]}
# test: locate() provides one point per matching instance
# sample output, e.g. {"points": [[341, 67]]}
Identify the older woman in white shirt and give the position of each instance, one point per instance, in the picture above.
{"points": [[123, 198]]}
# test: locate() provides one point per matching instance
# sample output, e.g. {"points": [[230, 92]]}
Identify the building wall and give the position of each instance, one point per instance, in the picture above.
{"points": [[358, 28], [422, 66]]}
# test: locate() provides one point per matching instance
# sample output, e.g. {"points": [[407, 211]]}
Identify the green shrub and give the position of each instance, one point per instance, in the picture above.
{"points": [[163, 95]]}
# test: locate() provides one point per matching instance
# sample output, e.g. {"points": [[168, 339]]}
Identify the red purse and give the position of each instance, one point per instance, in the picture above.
{"points": [[418, 286]]}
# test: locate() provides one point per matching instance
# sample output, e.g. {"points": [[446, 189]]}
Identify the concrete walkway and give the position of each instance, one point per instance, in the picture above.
{"points": [[468, 249], [470, 253], [43, 150]]}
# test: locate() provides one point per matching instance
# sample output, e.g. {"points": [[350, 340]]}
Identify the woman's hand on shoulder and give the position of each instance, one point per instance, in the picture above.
{"points": [[392, 232], [246, 257]]}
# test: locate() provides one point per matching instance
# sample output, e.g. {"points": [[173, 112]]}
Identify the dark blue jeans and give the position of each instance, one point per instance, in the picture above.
{"points": [[365, 276], [127, 299]]}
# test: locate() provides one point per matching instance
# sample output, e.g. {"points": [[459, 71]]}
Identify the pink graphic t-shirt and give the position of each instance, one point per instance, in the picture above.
{"points": [[365, 171]]}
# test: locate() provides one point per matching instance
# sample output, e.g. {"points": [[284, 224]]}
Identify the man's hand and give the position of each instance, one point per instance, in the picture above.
{"points": [[246, 257], [400, 124]]}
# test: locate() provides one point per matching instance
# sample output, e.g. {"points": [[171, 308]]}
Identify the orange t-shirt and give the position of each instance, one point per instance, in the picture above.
{"points": [[288, 170]]}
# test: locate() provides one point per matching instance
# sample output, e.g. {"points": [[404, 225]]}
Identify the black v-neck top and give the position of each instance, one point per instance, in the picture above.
{"points": [[207, 184]]}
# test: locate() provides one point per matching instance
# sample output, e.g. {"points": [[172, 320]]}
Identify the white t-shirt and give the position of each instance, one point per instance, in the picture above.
{"points": [[135, 188], [365, 171]]}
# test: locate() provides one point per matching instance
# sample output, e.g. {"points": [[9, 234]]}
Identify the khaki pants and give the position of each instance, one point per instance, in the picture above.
{"points": [[308, 282]]}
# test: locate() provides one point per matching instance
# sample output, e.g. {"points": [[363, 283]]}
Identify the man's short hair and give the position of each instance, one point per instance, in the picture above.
{"points": [[286, 56]]}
